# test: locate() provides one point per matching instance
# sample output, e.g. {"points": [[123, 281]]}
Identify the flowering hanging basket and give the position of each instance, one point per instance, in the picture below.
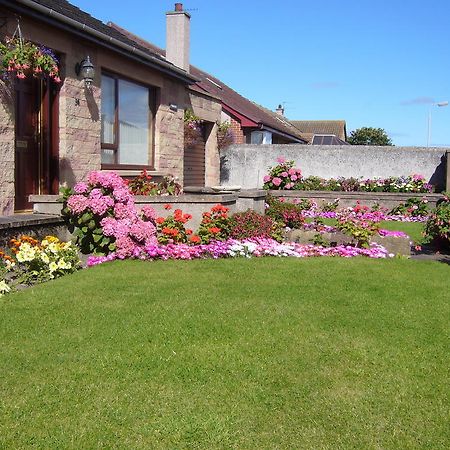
{"points": [[21, 58]]}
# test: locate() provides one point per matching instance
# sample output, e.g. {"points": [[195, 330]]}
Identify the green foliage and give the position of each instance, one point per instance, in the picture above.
{"points": [[360, 230], [22, 58], [288, 214], [215, 225], [250, 224], [87, 229], [437, 228], [172, 229], [224, 135], [413, 207], [369, 136], [143, 185]]}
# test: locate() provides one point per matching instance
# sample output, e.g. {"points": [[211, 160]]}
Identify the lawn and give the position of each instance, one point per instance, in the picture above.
{"points": [[247, 354]]}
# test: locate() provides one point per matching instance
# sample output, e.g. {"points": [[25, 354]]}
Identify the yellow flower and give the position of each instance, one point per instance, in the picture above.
{"points": [[44, 257], [53, 266]]}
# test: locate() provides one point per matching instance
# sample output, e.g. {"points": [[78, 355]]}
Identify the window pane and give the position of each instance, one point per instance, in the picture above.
{"points": [[134, 120], [108, 110]]}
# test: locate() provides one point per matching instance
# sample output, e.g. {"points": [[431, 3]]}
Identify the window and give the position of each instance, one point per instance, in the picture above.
{"points": [[127, 123], [261, 137]]}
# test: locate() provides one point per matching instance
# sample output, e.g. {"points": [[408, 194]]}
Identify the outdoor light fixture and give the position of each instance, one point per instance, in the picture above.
{"points": [[86, 70], [440, 104], [173, 107]]}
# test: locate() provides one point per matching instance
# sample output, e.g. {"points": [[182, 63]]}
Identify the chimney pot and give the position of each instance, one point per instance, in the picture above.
{"points": [[280, 110], [178, 6]]}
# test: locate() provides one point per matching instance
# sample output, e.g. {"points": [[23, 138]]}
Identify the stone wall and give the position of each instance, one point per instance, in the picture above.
{"points": [[246, 165], [6, 149]]}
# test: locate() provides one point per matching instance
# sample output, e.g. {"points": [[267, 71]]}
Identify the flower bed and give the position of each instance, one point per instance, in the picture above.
{"points": [[285, 176], [29, 261]]}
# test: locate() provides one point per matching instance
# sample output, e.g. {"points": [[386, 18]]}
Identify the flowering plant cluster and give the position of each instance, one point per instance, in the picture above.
{"points": [[413, 207], [224, 135], [356, 224], [30, 261], [290, 215], [20, 58], [143, 185], [171, 230], [437, 228], [104, 217], [285, 176], [193, 129], [255, 247], [282, 176], [215, 225], [250, 224]]}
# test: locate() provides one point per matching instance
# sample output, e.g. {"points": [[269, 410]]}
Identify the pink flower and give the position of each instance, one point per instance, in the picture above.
{"points": [[277, 181], [284, 174], [80, 188], [281, 160], [267, 178], [294, 178]]}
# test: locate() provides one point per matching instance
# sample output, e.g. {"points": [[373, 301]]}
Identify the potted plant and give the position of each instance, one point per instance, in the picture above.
{"points": [[21, 58]]}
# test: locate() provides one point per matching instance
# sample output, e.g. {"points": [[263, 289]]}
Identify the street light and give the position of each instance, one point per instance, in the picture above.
{"points": [[440, 104]]}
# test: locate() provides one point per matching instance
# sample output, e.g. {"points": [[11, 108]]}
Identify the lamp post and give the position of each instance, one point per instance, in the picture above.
{"points": [[440, 104]]}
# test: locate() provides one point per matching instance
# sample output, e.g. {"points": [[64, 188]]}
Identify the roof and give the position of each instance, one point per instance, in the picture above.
{"points": [[74, 13], [324, 127], [232, 101], [327, 139]]}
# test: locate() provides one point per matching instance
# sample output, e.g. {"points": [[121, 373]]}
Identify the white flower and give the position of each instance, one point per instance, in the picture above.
{"points": [[53, 266], [4, 288], [53, 247], [44, 257]]}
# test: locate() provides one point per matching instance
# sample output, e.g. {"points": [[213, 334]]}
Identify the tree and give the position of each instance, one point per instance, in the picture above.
{"points": [[369, 136]]}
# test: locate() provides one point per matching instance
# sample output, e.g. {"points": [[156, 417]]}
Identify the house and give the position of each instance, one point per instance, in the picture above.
{"points": [[323, 132], [250, 123], [128, 118]]}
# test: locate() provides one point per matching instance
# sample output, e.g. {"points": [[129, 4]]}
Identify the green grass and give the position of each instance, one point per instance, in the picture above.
{"points": [[243, 354]]}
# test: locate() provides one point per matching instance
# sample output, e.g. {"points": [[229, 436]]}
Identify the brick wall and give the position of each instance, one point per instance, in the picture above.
{"points": [[209, 110], [236, 129]]}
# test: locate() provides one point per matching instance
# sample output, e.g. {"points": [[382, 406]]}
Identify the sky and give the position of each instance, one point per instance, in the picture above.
{"points": [[380, 64]]}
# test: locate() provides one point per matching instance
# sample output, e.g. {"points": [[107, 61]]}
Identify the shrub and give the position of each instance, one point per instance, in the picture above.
{"points": [[282, 176], [289, 214], [103, 216], [360, 229], [143, 185], [172, 230], [250, 224], [215, 225], [437, 228], [413, 207]]}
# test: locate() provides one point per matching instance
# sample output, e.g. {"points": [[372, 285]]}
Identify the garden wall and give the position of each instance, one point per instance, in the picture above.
{"points": [[246, 165]]}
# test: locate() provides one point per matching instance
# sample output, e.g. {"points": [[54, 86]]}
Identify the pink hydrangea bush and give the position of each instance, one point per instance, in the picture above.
{"points": [[104, 218]]}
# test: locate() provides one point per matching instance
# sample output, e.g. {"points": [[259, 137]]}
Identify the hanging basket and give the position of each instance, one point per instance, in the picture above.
{"points": [[21, 59]]}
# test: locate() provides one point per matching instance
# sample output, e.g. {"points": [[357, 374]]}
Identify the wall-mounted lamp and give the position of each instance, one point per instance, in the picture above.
{"points": [[173, 107], [86, 70]]}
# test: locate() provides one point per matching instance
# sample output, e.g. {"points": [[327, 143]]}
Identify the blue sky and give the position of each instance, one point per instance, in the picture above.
{"points": [[373, 63]]}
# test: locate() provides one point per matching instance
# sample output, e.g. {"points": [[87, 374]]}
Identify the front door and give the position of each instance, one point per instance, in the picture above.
{"points": [[35, 143]]}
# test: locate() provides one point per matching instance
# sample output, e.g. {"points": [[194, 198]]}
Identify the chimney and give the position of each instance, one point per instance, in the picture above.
{"points": [[178, 37], [280, 110]]}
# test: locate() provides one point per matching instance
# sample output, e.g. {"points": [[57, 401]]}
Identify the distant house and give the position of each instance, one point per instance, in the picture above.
{"points": [[322, 132]]}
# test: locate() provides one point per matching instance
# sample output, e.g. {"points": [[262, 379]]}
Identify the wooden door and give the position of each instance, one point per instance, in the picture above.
{"points": [[36, 140], [27, 142], [194, 163]]}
